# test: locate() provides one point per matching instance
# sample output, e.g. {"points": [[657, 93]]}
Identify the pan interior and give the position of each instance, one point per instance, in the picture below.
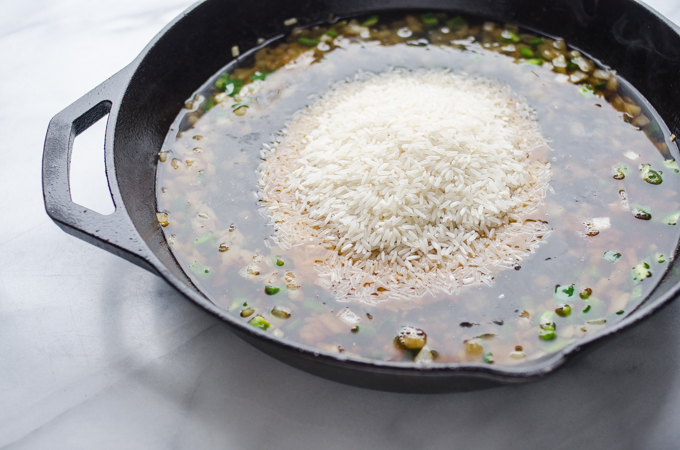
{"points": [[529, 298]]}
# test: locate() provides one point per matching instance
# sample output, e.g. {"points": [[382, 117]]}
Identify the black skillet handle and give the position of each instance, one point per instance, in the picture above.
{"points": [[115, 232]]}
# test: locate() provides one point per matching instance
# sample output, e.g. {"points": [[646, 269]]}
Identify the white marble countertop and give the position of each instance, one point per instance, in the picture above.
{"points": [[97, 353]]}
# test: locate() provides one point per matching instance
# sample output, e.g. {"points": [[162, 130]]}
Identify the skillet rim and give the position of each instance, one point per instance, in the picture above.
{"points": [[500, 374]]}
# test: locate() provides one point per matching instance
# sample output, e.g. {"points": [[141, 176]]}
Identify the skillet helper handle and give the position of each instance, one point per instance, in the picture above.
{"points": [[114, 232]]}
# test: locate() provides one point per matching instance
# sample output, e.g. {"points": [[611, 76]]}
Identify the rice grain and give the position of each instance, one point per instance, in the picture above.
{"points": [[418, 181]]}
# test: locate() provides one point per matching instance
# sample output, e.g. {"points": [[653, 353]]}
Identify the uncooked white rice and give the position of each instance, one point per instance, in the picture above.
{"points": [[419, 181]]}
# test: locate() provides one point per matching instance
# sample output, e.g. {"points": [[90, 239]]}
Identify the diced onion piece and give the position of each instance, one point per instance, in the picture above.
{"points": [[631, 155], [596, 322], [278, 332], [281, 312], [578, 77], [163, 219], [425, 356], [347, 316], [601, 74], [602, 223], [412, 338], [641, 121], [594, 226]]}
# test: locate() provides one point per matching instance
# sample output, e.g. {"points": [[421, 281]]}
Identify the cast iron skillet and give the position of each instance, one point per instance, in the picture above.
{"points": [[144, 98]]}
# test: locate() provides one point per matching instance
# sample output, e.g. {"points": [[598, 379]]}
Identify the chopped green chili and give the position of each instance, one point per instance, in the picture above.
{"points": [[231, 87], [547, 334], [672, 218], [488, 357], [563, 310], [279, 262], [653, 177], [671, 164], [537, 41], [534, 61], [258, 76], [508, 36], [611, 256], [271, 290], [306, 41], [209, 104], [429, 20], [200, 270], [205, 239], [222, 81], [259, 322], [456, 24], [331, 33], [587, 91], [586, 309], [641, 271], [585, 293], [526, 52], [649, 175], [641, 213], [563, 293], [620, 171], [235, 303], [372, 20]]}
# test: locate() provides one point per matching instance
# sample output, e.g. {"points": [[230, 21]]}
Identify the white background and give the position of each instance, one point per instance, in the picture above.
{"points": [[95, 353]]}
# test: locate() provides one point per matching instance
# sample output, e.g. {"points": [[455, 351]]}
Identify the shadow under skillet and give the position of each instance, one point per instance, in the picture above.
{"points": [[214, 389]]}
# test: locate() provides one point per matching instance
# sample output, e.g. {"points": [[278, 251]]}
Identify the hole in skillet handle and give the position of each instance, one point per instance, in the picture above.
{"points": [[87, 173]]}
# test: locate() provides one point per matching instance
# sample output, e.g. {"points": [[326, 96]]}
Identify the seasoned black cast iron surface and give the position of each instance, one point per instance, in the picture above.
{"points": [[145, 97]]}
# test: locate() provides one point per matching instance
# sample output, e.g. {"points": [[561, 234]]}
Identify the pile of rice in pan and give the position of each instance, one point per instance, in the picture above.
{"points": [[418, 181]]}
